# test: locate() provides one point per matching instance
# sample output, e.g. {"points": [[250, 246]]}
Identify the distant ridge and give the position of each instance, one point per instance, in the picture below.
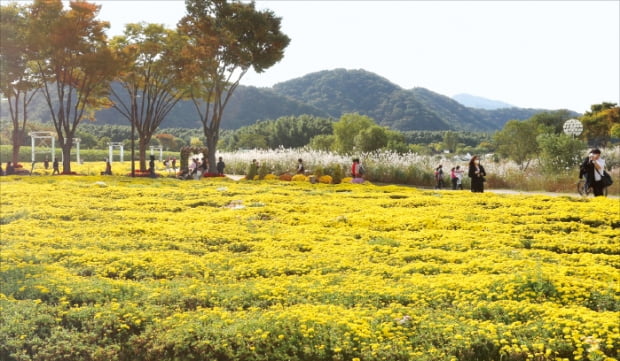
{"points": [[473, 101], [332, 93]]}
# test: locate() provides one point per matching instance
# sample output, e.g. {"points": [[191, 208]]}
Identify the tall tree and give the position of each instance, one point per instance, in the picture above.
{"points": [[73, 60], [347, 128], [450, 141], [517, 141], [17, 82], [225, 40], [149, 78]]}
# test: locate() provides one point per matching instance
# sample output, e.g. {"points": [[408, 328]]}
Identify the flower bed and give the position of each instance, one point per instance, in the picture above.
{"points": [[143, 269]]}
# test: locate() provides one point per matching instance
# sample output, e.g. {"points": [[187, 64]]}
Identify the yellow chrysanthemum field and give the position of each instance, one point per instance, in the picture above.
{"points": [[115, 268]]}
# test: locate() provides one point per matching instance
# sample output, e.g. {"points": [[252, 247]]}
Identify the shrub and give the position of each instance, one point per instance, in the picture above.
{"points": [[263, 171], [326, 179], [299, 178]]}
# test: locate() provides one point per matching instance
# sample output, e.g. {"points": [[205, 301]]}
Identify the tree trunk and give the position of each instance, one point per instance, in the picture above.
{"points": [[17, 142], [66, 157], [211, 146], [142, 154]]}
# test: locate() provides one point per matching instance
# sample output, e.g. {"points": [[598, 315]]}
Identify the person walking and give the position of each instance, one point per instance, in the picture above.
{"points": [[55, 167], [477, 174]]}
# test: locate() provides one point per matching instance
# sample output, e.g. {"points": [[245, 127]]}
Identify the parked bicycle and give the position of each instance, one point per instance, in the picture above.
{"points": [[585, 189]]}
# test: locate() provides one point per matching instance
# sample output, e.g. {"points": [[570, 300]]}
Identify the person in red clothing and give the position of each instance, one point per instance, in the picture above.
{"points": [[357, 169]]}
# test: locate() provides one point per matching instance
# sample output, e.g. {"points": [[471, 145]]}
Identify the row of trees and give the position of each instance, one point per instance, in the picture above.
{"points": [[65, 55], [542, 137]]}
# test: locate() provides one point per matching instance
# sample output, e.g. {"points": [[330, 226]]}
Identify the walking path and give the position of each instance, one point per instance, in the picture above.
{"points": [[237, 177]]}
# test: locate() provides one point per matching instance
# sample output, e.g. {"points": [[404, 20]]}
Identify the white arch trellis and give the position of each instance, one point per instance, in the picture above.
{"points": [[47, 145], [111, 146], [46, 141]]}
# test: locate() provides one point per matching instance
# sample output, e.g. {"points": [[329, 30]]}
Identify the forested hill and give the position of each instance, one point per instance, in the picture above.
{"points": [[331, 93], [246, 106], [341, 91]]}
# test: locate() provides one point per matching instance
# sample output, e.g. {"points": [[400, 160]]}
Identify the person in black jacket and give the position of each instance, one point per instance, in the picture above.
{"points": [[477, 174], [593, 168]]}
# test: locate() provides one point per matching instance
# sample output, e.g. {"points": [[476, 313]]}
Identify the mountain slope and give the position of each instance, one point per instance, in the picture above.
{"points": [[344, 91], [339, 91]]}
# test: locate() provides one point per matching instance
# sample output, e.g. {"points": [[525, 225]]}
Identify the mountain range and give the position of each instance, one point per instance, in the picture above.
{"points": [[332, 93]]}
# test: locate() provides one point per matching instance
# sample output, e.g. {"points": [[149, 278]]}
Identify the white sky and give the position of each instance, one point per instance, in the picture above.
{"points": [[537, 54]]}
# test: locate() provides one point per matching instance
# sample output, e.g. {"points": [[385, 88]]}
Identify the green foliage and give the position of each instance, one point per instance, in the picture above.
{"points": [[196, 142], [287, 132], [324, 142], [516, 141], [347, 128], [396, 142], [371, 139], [551, 122], [559, 153]]}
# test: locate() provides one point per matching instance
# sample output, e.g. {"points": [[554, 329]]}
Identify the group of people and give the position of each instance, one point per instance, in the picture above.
{"points": [[476, 172], [10, 167], [199, 166], [456, 177]]}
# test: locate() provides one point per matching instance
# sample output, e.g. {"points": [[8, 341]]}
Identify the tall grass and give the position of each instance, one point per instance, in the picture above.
{"points": [[382, 167]]}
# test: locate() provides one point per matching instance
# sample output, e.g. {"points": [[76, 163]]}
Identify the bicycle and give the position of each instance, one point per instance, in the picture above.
{"points": [[586, 191]]}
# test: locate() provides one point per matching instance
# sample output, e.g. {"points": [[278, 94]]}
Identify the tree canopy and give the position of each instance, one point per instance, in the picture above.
{"points": [[71, 57], [149, 80], [517, 141]]}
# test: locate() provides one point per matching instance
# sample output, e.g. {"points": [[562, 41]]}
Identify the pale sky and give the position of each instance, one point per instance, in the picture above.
{"points": [[532, 54]]}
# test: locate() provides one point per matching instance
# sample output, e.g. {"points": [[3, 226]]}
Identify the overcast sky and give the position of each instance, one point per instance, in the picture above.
{"points": [[536, 54]]}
